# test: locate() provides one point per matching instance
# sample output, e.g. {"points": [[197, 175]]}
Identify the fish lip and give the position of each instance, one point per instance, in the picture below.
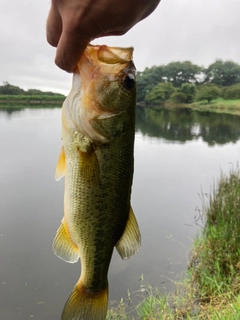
{"points": [[107, 61], [109, 55]]}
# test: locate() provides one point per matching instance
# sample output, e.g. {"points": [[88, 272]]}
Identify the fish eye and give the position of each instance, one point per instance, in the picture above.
{"points": [[129, 81]]}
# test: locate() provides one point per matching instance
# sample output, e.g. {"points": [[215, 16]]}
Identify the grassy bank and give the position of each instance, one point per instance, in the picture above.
{"points": [[46, 101], [211, 287], [30, 100], [219, 105]]}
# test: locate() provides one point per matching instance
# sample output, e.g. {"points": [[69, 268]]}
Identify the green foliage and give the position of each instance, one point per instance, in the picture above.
{"points": [[8, 89], [182, 72], [178, 97], [148, 79], [232, 92], [208, 92], [216, 257], [212, 289], [160, 93], [189, 90], [185, 94], [31, 97], [223, 73]]}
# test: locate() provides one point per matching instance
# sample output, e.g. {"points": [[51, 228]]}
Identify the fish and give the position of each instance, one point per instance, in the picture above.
{"points": [[97, 160]]}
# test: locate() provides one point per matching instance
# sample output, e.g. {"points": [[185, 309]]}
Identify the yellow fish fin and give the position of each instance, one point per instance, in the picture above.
{"points": [[86, 304], [130, 241], [61, 166], [63, 246]]}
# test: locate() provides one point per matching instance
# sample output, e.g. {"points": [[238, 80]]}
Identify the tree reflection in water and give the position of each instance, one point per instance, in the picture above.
{"points": [[184, 125]]}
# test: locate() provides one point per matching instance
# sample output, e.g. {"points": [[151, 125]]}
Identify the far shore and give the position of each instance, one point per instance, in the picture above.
{"points": [[28, 102], [217, 106]]}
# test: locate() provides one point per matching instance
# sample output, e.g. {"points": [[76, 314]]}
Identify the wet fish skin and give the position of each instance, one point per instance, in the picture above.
{"points": [[98, 127]]}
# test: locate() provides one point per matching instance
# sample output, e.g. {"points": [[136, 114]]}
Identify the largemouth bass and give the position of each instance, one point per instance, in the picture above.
{"points": [[98, 127]]}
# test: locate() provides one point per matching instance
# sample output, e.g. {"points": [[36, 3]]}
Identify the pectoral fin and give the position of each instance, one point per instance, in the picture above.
{"points": [[130, 242], [63, 246], [61, 166], [89, 165], [108, 126]]}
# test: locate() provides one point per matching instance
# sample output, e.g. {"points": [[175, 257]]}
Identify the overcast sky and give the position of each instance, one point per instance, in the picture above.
{"points": [[178, 30]]}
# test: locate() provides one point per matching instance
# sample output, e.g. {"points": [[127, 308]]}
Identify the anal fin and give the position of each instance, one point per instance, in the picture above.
{"points": [[63, 246], [130, 242]]}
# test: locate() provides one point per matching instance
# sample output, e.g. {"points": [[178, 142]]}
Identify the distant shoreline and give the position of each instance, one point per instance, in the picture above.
{"points": [[29, 102], [216, 106]]}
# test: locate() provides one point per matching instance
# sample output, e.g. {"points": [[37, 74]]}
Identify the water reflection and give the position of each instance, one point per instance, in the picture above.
{"points": [[12, 111], [179, 125], [185, 125], [176, 155]]}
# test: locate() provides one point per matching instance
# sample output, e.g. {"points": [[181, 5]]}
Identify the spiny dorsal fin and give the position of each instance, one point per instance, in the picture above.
{"points": [[63, 246], [61, 166], [130, 242]]}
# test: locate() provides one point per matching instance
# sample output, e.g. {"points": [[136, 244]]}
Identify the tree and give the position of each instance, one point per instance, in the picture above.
{"points": [[160, 93], [208, 92], [223, 73], [232, 92], [178, 97], [182, 72], [185, 94], [190, 91], [10, 89], [147, 79]]}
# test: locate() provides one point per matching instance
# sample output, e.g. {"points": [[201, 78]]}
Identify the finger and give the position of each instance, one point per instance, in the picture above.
{"points": [[54, 27], [69, 50]]}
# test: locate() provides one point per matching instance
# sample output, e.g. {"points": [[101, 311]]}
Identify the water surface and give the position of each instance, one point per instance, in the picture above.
{"points": [[177, 154]]}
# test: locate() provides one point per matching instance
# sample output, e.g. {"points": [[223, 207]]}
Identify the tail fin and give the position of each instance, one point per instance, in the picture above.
{"points": [[85, 304]]}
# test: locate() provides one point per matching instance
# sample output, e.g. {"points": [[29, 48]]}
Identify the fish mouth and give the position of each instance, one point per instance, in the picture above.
{"points": [[110, 55], [104, 60]]}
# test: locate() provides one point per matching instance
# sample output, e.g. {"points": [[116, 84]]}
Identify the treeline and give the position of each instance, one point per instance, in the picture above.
{"points": [[185, 82], [13, 95], [8, 90]]}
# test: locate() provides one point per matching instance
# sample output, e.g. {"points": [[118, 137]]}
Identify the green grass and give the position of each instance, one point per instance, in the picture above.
{"points": [[9, 100], [211, 287], [219, 106]]}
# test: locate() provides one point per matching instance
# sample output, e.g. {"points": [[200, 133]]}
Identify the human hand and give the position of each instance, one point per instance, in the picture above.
{"points": [[72, 24]]}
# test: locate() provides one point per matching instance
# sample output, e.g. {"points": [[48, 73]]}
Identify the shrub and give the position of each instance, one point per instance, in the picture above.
{"points": [[160, 93], [232, 92], [178, 97], [208, 92]]}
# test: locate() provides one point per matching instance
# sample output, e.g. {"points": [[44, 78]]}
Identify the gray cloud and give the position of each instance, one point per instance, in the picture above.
{"points": [[196, 30]]}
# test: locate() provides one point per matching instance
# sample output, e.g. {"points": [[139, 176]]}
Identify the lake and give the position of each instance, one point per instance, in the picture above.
{"points": [[178, 155]]}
